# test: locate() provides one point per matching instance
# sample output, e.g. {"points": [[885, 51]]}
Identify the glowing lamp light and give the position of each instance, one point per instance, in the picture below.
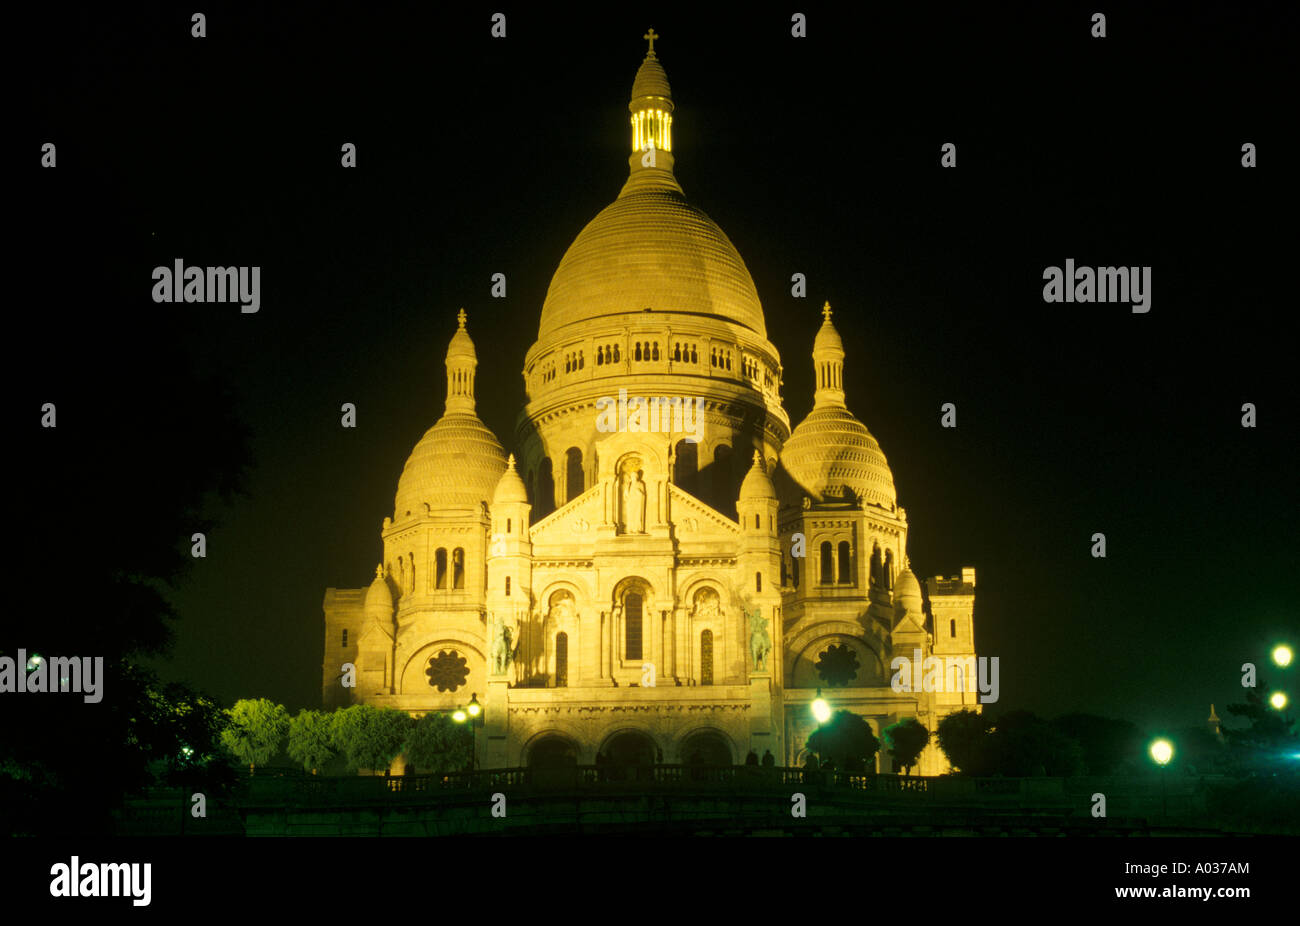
{"points": [[1162, 751], [187, 751], [820, 709], [1278, 700], [459, 716], [474, 708], [34, 661], [1282, 655]]}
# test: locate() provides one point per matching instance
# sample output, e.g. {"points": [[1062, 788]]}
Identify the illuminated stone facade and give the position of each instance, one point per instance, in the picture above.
{"points": [[642, 590]]}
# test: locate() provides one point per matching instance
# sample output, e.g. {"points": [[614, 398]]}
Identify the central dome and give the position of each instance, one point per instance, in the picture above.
{"points": [[651, 249]]}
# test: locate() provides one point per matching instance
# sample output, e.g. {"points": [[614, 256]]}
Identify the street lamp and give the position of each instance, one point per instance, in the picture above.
{"points": [[1279, 700], [473, 713], [1162, 751], [1282, 655], [820, 709]]}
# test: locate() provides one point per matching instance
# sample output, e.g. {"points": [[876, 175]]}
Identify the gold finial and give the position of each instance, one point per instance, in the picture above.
{"points": [[460, 317], [826, 311], [511, 461], [379, 574], [650, 37]]}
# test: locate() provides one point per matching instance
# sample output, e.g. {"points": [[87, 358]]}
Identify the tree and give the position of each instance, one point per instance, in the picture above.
{"points": [[256, 731], [370, 737], [906, 740], [152, 462], [311, 739], [1023, 745], [1109, 746], [964, 739], [438, 744], [1268, 742], [846, 739]]}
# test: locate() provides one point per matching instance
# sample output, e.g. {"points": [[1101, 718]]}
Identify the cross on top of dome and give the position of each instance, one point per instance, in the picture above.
{"points": [[460, 317], [650, 37], [826, 311]]}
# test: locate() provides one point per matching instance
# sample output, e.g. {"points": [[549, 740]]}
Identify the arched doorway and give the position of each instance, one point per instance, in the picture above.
{"points": [[553, 762], [629, 756], [704, 750]]}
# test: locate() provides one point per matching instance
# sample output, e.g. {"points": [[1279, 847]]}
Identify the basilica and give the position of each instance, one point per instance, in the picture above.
{"points": [[659, 568]]}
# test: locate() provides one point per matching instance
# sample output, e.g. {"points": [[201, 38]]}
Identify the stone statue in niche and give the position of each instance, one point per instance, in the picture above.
{"points": [[760, 644], [706, 605], [633, 520]]}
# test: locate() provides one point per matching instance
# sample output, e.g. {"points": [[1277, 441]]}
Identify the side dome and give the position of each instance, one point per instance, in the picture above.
{"points": [[458, 462], [831, 454]]}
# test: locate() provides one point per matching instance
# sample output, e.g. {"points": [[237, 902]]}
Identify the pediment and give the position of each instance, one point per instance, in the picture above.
{"points": [[574, 522], [694, 520]]}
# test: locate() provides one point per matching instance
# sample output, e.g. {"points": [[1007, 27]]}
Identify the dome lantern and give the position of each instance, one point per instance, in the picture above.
{"points": [[651, 108], [828, 361]]}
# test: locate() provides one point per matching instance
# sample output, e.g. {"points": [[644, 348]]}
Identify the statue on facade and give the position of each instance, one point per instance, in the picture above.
{"points": [[633, 503], [760, 644], [502, 647]]}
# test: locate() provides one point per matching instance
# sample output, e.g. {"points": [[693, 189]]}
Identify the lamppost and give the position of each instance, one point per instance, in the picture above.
{"points": [[1282, 655], [821, 712], [472, 712], [1162, 751]]}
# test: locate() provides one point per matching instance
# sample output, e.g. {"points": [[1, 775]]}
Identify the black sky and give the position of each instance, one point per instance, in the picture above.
{"points": [[818, 155]]}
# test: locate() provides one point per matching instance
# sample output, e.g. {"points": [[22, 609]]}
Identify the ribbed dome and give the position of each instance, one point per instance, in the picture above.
{"points": [[651, 250], [510, 488], [457, 464], [757, 484], [831, 451], [651, 79]]}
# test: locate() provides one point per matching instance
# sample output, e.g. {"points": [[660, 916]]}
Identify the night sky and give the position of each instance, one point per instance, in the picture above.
{"points": [[816, 155]]}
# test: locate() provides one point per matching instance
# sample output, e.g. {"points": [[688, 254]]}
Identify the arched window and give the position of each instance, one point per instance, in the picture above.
{"points": [[758, 581], [706, 657], [757, 522], [561, 660], [572, 473], [345, 637], [507, 525], [616, 358], [545, 488], [952, 628], [637, 354], [507, 585], [794, 570], [654, 351], [828, 567], [440, 567], [846, 563], [632, 625], [686, 465], [888, 572], [695, 358], [677, 352], [458, 568], [723, 494]]}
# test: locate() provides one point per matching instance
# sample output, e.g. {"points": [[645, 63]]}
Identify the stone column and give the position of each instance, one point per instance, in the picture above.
{"points": [[492, 738]]}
